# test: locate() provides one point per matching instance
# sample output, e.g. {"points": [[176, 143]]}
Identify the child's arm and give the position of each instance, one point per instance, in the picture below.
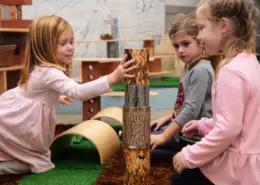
{"points": [[198, 86], [228, 119], [160, 122], [205, 125], [159, 139], [56, 80]]}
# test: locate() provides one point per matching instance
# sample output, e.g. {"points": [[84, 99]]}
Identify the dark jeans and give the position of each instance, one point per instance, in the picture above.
{"points": [[190, 177], [166, 151]]}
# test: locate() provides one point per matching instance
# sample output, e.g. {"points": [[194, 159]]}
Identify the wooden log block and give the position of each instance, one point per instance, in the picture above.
{"points": [[16, 2], [136, 96], [136, 127], [137, 167], [141, 57], [136, 118]]}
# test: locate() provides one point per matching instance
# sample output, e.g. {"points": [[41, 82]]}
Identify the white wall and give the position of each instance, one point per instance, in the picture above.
{"points": [[137, 19], [190, 3]]}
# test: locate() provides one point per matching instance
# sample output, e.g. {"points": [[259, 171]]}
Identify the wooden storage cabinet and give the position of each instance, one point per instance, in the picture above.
{"points": [[9, 76]]}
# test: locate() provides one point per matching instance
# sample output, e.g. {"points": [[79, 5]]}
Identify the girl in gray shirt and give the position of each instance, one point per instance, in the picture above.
{"points": [[194, 92]]}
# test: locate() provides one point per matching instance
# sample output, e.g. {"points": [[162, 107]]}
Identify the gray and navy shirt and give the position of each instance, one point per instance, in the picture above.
{"points": [[194, 94]]}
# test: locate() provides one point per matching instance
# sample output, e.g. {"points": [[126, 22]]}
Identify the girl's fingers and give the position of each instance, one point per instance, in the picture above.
{"points": [[123, 59], [129, 76], [130, 69], [128, 63], [153, 147]]}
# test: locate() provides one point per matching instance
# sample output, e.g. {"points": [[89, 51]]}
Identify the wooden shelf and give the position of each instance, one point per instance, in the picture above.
{"points": [[9, 76], [122, 93], [11, 68], [16, 2], [156, 74], [103, 60], [14, 30]]}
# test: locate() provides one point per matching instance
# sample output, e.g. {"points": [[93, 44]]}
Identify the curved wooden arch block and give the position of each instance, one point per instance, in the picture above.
{"points": [[115, 113], [100, 134]]}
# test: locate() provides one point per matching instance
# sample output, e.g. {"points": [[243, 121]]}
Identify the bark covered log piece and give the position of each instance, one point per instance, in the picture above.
{"points": [[136, 96], [137, 167], [141, 57], [136, 128]]}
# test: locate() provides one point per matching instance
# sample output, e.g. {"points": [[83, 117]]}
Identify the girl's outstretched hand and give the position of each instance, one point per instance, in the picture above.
{"points": [[190, 129], [65, 100], [121, 71]]}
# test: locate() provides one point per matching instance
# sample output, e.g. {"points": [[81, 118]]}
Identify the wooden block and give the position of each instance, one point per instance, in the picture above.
{"points": [[156, 65], [19, 12], [22, 24], [13, 12], [136, 128], [141, 57], [3, 84], [16, 2], [99, 133]]}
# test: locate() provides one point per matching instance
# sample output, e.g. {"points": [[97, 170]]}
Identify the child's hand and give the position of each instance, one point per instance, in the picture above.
{"points": [[190, 129], [157, 123], [64, 100], [157, 140], [177, 163], [121, 71]]}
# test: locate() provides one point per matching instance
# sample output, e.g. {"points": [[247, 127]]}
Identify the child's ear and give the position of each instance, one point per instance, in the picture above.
{"points": [[224, 25]]}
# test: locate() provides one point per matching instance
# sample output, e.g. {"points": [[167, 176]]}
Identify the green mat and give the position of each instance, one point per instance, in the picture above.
{"points": [[164, 82], [77, 163]]}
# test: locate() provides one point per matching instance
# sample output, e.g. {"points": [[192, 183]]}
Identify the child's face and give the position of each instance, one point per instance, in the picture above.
{"points": [[187, 47], [65, 48], [210, 34]]}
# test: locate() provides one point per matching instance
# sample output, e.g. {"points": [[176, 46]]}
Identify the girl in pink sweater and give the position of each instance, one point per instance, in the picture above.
{"points": [[229, 154], [28, 112]]}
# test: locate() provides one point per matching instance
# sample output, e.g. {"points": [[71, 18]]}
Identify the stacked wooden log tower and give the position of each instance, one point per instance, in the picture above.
{"points": [[136, 118]]}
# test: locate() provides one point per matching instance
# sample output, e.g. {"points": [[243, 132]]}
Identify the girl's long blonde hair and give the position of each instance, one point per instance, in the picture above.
{"points": [[243, 15], [187, 23], [41, 45]]}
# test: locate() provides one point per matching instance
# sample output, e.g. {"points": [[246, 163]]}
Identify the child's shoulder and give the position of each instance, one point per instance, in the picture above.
{"points": [[203, 66], [45, 70]]}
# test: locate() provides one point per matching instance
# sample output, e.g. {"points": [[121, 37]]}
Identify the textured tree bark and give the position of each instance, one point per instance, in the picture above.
{"points": [[141, 57], [136, 96], [136, 118]]}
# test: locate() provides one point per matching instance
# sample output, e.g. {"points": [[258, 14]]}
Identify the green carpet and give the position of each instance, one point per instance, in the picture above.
{"points": [[77, 163], [163, 82]]}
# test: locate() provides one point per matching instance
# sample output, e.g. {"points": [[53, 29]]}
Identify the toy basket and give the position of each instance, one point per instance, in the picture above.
{"points": [[6, 55]]}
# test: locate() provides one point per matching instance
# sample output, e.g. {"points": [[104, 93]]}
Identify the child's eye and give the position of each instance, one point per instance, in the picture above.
{"points": [[176, 46], [186, 44]]}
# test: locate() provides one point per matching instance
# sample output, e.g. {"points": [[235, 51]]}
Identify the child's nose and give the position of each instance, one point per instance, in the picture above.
{"points": [[181, 50], [70, 47]]}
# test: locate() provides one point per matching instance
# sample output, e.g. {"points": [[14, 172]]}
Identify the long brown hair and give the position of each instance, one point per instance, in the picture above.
{"points": [[243, 15], [43, 37]]}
